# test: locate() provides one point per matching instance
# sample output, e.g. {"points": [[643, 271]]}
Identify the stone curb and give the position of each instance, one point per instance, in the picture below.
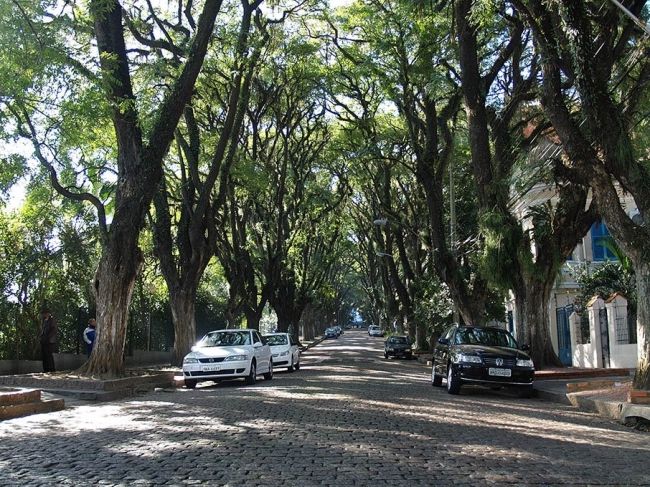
{"points": [[315, 341]]}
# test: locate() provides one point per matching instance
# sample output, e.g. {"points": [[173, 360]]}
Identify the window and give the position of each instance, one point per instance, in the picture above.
{"points": [[276, 339], [599, 242], [225, 339], [256, 337]]}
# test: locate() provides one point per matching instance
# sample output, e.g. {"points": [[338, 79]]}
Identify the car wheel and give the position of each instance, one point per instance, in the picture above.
{"points": [[525, 392], [190, 383], [252, 375], [269, 374], [297, 366], [290, 368], [453, 381], [385, 355], [436, 379]]}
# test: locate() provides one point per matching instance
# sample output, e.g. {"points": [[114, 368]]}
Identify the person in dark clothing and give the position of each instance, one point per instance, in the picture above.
{"points": [[48, 340], [89, 335]]}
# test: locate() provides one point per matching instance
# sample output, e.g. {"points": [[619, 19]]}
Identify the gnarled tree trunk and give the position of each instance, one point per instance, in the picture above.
{"points": [[114, 284], [533, 302], [183, 306]]}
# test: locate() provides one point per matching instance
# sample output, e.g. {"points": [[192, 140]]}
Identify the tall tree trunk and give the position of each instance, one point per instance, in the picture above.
{"points": [[535, 320], [642, 376], [284, 314], [183, 315], [421, 337], [114, 284], [253, 317]]}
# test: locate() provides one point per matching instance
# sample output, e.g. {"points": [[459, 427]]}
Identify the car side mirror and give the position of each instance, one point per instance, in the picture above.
{"points": [[443, 341], [194, 348], [525, 348]]}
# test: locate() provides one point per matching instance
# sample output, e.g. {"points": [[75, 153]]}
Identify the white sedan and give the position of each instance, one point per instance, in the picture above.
{"points": [[285, 351], [228, 354], [375, 331]]}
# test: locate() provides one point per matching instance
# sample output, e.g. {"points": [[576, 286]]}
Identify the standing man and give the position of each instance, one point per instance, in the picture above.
{"points": [[48, 340], [89, 335]]}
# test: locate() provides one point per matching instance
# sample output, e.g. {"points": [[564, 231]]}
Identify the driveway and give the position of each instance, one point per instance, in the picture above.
{"points": [[348, 417]]}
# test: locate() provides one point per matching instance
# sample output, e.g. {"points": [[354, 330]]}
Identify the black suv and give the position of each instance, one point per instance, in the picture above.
{"points": [[398, 346], [484, 356]]}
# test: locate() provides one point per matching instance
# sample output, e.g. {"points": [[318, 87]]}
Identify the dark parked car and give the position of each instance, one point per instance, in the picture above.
{"points": [[331, 332], [483, 356], [398, 346]]}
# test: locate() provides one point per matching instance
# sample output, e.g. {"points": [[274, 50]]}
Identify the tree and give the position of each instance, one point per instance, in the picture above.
{"points": [[143, 127], [523, 252], [595, 71], [293, 224], [186, 247], [386, 55]]}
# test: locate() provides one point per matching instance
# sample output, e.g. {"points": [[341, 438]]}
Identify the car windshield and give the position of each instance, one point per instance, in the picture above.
{"points": [[276, 339], [398, 340], [225, 339], [484, 336]]}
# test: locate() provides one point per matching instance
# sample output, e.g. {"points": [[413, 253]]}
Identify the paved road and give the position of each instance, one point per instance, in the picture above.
{"points": [[347, 418]]}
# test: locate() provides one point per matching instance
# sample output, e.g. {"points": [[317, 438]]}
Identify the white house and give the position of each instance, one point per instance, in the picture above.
{"points": [[599, 347]]}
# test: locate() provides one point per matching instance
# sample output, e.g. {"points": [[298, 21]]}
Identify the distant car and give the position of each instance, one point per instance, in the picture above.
{"points": [[228, 354], [284, 350], [375, 331], [484, 356], [338, 329], [331, 332], [398, 346]]}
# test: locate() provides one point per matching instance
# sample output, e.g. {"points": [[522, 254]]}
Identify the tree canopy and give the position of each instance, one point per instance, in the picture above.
{"points": [[382, 159]]}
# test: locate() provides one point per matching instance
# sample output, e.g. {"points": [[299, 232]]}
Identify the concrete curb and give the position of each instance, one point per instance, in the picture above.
{"points": [[313, 343], [552, 396]]}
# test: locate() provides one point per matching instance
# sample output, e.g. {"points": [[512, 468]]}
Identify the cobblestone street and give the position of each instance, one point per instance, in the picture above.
{"points": [[348, 417]]}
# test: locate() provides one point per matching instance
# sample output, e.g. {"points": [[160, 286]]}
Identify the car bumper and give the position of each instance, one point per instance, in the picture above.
{"points": [[281, 360], [399, 353], [225, 370], [480, 374]]}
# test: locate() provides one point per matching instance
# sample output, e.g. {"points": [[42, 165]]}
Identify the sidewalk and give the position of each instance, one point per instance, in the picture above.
{"points": [[601, 391]]}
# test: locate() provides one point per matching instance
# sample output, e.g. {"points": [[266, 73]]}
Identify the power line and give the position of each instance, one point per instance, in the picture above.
{"points": [[634, 18]]}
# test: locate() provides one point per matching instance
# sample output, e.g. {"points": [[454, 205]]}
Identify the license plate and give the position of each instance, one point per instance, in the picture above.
{"points": [[500, 372], [211, 368]]}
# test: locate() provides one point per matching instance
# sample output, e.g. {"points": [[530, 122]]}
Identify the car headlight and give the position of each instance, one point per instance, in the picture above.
{"points": [[472, 359], [190, 360], [408, 349], [286, 352], [236, 358], [525, 363]]}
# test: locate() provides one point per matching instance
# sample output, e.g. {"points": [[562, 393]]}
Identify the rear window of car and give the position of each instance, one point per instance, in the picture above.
{"points": [[398, 340], [225, 339], [482, 336], [276, 339]]}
